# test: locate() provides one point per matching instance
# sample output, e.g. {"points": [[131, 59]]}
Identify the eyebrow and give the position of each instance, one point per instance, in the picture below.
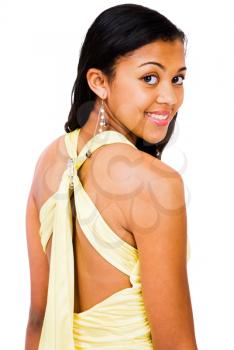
{"points": [[160, 65]]}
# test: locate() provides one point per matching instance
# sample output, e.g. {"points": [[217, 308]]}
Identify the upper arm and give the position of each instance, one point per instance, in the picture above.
{"points": [[38, 263], [159, 225]]}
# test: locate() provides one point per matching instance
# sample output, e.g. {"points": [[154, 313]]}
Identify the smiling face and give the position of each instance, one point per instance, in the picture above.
{"points": [[149, 80]]}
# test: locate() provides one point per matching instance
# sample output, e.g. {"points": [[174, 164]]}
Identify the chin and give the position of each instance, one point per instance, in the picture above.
{"points": [[154, 137]]}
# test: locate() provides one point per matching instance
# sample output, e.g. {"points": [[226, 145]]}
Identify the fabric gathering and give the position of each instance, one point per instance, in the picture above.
{"points": [[118, 322]]}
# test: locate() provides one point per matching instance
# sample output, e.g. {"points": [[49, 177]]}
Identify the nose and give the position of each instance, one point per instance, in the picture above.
{"points": [[166, 94]]}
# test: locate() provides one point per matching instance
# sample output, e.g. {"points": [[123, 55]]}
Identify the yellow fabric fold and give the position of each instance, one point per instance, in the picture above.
{"points": [[57, 333]]}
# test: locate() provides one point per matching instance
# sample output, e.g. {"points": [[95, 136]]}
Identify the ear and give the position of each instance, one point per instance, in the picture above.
{"points": [[97, 82]]}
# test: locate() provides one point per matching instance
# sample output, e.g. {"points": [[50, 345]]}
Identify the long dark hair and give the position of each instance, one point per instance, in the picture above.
{"points": [[114, 33]]}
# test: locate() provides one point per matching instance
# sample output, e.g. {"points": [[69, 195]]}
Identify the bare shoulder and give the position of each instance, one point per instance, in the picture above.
{"points": [[162, 188], [116, 166], [131, 172], [48, 170], [134, 178]]}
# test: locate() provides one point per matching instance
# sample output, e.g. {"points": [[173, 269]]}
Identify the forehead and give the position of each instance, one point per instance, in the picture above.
{"points": [[170, 54]]}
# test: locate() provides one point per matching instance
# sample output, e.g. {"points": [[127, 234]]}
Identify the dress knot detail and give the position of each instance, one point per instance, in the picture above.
{"points": [[70, 167]]}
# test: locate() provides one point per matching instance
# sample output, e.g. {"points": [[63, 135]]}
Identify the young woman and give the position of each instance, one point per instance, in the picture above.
{"points": [[106, 218]]}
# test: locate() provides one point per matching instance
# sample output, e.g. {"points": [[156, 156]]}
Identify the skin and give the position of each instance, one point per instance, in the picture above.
{"points": [[154, 220]]}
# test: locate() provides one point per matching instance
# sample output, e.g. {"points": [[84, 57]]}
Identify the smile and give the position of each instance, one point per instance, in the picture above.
{"points": [[160, 120]]}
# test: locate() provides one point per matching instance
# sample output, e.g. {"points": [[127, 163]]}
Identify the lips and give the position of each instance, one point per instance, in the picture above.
{"points": [[161, 112], [160, 118]]}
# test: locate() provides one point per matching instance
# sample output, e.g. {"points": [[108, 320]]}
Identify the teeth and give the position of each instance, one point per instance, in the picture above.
{"points": [[158, 116]]}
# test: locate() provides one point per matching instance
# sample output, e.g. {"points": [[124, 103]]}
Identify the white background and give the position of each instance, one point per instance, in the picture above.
{"points": [[40, 43]]}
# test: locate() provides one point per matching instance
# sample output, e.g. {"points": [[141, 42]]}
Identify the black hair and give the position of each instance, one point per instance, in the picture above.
{"points": [[115, 33]]}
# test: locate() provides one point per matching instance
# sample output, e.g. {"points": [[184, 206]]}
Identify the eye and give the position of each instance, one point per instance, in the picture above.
{"points": [[147, 79], [182, 79]]}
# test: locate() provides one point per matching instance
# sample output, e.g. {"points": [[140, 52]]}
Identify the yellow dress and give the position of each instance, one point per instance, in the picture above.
{"points": [[118, 322]]}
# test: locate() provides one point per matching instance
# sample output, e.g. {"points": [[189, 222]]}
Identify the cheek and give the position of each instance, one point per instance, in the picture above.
{"points": [[130, 109], [129, 98], [180, 97], [126, 100]]}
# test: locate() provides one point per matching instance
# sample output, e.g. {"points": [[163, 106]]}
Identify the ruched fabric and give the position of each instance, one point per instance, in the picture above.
{"points": [[119, 321]]}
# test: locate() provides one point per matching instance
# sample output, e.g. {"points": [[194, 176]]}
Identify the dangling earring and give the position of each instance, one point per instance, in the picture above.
{"points": [[103, 122]]}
